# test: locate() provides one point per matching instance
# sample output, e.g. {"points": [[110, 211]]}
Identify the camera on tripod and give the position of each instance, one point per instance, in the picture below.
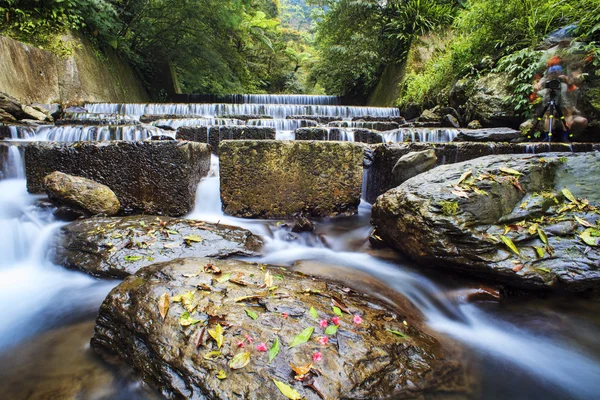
{"points": [[553, 84]]}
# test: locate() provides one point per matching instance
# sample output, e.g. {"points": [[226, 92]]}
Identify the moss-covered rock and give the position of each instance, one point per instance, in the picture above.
{"points": [[205, 345], [530, 221], [75, 191], [150, 177], [279, 179], [118, 247]]}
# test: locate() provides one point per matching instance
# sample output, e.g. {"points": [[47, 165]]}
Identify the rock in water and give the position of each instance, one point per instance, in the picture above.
{"points": [[151, 177], [86, 194], [488, 135], [278, 179], [525, 220], [199, 329], [119, 247], [303, 224], [414, 164]]}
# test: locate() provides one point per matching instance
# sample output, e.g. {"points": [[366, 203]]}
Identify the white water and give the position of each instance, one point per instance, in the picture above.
{"points": [[432, 135]]}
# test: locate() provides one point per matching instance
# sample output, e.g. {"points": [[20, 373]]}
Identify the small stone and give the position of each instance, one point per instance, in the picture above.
{"points": [[475, 124], [303, 224]]}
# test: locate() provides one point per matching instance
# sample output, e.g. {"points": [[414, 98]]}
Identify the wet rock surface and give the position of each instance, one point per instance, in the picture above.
{"points": [[213, 135], [118, 247], [208, 345], [381, 179], [151, 177], [321, 119], [486, 103], [281, 179], [414, 164], [83, 193], [488, 135], [530, 221], [360, 135]]}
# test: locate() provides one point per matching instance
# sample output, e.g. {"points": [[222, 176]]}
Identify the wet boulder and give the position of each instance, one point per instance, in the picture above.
{"points": [[118, 247], [201, 328], [530, 221], [414, 164], [213, 135], [150, 177], [488, 135], [78, 192], [487, 105], [428, 116], [281, 179]]}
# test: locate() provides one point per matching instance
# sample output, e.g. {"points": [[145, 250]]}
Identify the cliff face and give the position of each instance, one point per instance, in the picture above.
{"points": [[33, 75]]}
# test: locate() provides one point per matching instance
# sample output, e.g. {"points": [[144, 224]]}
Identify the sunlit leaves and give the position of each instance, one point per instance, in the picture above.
{"points": [[287, 390], [274, 350], [240, 360], [163, 305], [217, 335], [509, 243], [303, 337], [186, 320]]}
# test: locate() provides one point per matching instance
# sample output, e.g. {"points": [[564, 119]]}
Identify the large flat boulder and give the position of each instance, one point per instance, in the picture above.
{"points": [[200, 328], [118, 247], [488, 135], [530, 221], [281, 179], [150, 177], [213, 135], [382, 177]]}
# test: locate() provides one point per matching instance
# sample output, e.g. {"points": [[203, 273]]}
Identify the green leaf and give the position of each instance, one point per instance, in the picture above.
{"points": [[337, 311], [546, 270], [313, 313], [224, 278], [302, 337], [567, 193], [274, 350], [542, 235], [252, 314], [287, 391], [540, 251], [397, 333], [186, 320], [172, 232], [133, 258], [590, 236], [221, 375], [509, 243], [240, 360], [510, 171], [217, 334], [192, 238], [331, 330]]}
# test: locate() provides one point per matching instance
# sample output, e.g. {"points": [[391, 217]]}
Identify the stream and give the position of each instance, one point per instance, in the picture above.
{"points": [[521, 347]]}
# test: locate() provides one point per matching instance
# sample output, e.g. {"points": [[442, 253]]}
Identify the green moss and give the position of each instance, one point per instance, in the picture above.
{"points": [[449, 208]]}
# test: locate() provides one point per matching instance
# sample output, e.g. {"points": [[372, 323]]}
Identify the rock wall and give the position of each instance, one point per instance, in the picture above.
{"points": [[33, 75]]}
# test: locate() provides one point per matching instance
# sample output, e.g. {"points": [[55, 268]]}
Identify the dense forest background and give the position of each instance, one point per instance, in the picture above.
{"points": [[340, 47]]}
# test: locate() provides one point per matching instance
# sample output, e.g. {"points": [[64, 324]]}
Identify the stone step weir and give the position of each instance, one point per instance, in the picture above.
{"points": [[263, 99], [221, 109]]}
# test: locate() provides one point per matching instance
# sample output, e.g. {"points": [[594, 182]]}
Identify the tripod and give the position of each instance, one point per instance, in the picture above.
{"points": [[555, 111]]}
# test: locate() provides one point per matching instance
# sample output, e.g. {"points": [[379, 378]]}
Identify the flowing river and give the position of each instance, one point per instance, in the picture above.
{"points": [[521, 347]]}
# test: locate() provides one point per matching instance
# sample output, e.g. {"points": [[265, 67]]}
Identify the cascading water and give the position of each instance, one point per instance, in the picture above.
{"points": [[432, 135]]}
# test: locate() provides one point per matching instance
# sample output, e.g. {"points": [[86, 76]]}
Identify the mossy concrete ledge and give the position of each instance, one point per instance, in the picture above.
{"points": [[281, 179], [150, 177]]}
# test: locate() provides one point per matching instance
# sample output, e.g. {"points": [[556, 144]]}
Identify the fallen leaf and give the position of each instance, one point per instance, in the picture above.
{"points": [[189, 275], [510, 171], [187, 320], [217, 335], [509, 243], [224, 278], [133, 258], [542, 235], [163, 305], [301, 370], [506, 229], [268, 279], [331, 330], [192, 239], [567, 193], [590, 236], [240, 360], [337, 311], [252, 314], [515, 182], [339, 303], [245, 298], [533, 229], [237, 279], [172, 245], [199, 337], [465, 176], [287, 391], [274, 350], [583, 222], [221, 375], [397, 333], [211, 268], [303, 337], [212, 355], [313, 313], [518, 267], [459, 193], [540, 251], [546, 270]]}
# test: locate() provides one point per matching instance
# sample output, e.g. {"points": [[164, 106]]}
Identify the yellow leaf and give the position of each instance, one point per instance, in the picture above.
{"points": [[542, 236], [221, 375], [509, 243], [567, 193], [590, 236], [506, 229], [540, 251], [217, 334], [240, 360], [510, 171], [583, 222], [211, 355], [533, 229], [163, 305], [287, 391], [465, 176], [301, 370]]}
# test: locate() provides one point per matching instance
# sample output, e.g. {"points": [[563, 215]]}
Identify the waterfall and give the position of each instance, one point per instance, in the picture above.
{"points": [[431, 135]]}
